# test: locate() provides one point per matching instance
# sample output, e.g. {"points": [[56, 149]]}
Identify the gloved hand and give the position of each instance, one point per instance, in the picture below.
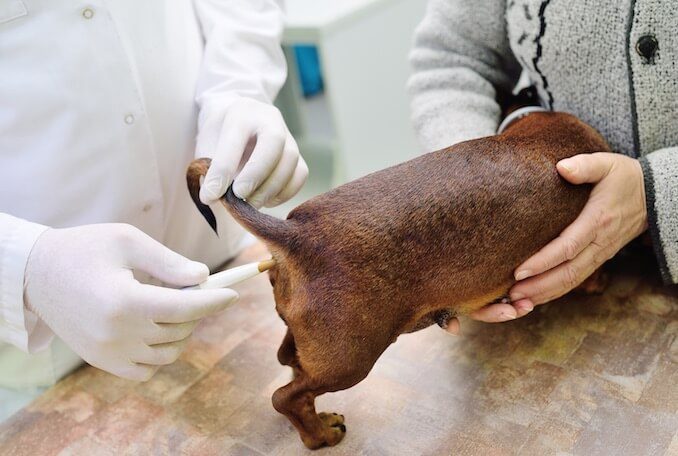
{"points": [[249, 142], [79, 281]]}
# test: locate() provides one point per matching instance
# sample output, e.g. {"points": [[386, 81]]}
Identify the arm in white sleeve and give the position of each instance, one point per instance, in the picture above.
{"points": [[462, 65], [18, 326], [242, 54]]}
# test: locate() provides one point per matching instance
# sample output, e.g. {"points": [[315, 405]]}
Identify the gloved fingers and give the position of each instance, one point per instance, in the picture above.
{"points": [[166, 305], [265, 157], [280, 176], [160, 354], [229, 151], [148, 255], [135, 372], [293, 186], [163, 333]]}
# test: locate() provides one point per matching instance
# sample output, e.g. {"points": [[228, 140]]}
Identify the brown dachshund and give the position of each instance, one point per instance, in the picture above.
{"points": [[403, 248]]}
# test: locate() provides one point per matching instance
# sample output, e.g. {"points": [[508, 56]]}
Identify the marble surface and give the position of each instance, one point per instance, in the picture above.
{"points": [[587, 375]]}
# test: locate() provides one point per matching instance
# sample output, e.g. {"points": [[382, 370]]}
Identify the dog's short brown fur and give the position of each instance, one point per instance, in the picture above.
{"points": [[405, 247]]}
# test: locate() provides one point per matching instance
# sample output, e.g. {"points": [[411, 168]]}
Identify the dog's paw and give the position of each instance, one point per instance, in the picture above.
{"points": [[330, 434], [331, 419], [336, 427]]}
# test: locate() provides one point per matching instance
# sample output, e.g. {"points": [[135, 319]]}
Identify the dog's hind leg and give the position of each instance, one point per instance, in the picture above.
{"points": [[296, 401], [327, 359]]}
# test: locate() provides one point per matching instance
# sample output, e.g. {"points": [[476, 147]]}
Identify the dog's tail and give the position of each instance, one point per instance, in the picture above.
{"points": [[269, 229]]}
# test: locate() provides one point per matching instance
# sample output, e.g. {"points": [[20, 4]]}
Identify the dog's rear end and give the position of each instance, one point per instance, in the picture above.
{"points": [[400, 249]]}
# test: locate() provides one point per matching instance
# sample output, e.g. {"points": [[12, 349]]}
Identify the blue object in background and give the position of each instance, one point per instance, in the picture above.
{"points": [[308, 65]]}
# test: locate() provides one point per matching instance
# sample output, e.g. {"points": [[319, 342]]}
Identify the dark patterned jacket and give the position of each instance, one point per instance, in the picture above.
{"points": [[612, 63]]}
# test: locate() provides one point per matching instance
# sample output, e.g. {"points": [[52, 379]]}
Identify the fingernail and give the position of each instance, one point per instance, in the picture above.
{"points": [[568, 166], [255, 202], [243, 189], [199, 270], [230, 300], [523, 274], [524, 309], [452, 327]]}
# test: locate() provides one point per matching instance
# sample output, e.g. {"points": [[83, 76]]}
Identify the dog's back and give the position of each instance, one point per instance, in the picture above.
{"points": [[442, 231], [399, 249]]}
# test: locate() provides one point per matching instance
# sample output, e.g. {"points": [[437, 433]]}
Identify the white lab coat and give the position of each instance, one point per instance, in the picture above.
{"points": [[98, 118]]}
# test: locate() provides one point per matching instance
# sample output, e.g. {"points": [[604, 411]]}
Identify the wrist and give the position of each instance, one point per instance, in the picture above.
{"points": [[34, 264]]}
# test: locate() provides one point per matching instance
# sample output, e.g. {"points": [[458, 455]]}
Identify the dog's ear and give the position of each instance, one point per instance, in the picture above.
{"points": [[196, 171]]}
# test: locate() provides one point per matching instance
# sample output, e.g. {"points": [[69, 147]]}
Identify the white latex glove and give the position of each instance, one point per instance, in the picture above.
{"points": [[248, 141], [79, 281]]}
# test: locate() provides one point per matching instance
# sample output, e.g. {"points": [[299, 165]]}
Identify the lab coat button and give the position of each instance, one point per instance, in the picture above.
{"points": [[147, 207], [647, 47], [87, 13], [129, 119]]}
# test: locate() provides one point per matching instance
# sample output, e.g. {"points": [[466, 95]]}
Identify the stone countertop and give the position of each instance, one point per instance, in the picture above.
{"points": [[586, 375]]}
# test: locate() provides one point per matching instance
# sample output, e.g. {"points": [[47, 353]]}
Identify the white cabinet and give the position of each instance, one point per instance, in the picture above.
{"points": [[363, 47]]}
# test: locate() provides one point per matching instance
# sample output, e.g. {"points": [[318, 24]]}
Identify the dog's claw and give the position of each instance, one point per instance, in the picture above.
{"points": [[335, 426], [332, 419]]}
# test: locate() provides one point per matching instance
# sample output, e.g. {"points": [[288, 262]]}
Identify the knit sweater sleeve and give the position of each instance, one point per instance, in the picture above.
{"points": [[462, 64], [660, 170]]}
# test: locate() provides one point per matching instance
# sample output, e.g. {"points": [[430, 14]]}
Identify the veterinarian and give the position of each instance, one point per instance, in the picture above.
{"points": [[100, 107], [612, 64]]}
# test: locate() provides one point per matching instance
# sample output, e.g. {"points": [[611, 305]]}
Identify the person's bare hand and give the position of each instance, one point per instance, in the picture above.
{"points": [[614, 215]]}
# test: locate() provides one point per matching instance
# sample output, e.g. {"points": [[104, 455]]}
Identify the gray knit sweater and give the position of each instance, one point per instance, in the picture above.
{"points": [[612, 63]]}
